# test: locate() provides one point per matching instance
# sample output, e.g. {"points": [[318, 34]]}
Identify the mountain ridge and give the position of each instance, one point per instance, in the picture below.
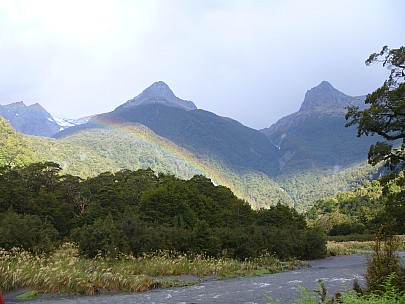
{"points": [[260, 166], [201, 132]]}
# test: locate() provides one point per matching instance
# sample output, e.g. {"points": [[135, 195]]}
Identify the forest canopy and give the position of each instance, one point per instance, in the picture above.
{"points": [[140, 211]]}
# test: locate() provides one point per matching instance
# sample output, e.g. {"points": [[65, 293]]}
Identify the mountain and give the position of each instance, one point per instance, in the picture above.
{"points": [[318, 155], [32, 120], [69, 122], [325, 98], [301, 158], [35, 120], [159, 92], [304, 156], [203, 133], [131, 146], [315, 137]]}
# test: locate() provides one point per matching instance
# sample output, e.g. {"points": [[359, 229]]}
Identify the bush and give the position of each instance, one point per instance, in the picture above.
{"points": [[383, 263], [103, 237], [314, 244], [26, 231]]}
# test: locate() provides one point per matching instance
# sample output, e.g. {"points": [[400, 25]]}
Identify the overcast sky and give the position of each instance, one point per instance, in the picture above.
{"points": [[249, 60]]}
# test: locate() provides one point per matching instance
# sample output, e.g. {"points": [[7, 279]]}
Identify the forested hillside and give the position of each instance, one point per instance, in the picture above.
{"points": [[14, 149], [364, 210], [202, 133], [307, 186], [133, 146]]}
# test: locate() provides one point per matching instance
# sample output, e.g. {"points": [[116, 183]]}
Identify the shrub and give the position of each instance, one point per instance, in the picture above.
{"points": [[103, 237], [29, 232], [383, 263]]}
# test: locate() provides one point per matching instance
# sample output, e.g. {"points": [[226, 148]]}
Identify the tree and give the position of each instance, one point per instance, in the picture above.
{"points": [[385, 115], [26, 231]]}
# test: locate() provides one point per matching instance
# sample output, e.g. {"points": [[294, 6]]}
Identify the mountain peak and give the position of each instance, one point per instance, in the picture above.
{"points": [[37, 107], [159, 88], [324, 96], [325, 85], [159, 92], [19, 104]]}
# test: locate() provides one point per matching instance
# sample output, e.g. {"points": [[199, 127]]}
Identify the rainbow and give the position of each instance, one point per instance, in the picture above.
{"points": [[166, 147]]}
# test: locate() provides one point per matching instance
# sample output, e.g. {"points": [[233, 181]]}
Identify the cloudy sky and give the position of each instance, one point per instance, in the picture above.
{"points": [[249, 60]]}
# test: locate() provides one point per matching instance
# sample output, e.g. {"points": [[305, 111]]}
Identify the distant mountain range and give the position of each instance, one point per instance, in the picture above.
{"points": [[35, 120], [286, 162]]}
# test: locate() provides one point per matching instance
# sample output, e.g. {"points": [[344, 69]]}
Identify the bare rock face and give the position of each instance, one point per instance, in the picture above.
{"points": [[325, 96], [159, 92]]}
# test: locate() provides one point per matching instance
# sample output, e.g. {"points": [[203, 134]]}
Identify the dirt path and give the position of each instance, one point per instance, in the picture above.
{"points": [[338, 273]]}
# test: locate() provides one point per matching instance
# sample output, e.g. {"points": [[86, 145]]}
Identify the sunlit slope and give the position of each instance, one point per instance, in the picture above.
{"points": [[134, 146]]}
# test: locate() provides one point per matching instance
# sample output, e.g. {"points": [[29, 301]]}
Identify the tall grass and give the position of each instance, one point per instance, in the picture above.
{"points": [[65, 271], [350, 247]]}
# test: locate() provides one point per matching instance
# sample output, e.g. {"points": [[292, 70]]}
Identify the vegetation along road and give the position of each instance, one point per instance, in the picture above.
{"points": [[337, 272]]}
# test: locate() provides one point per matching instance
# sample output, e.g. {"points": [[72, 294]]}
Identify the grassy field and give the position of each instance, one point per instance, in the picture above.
{"points": [[65, 271], [350, 247]]}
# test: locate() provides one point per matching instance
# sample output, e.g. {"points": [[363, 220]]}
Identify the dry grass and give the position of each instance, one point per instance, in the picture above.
{"points": [[65, 271], [350, 247]]}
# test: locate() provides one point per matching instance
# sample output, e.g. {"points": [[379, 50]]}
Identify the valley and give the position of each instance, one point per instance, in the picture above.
{"points": [[284, 163]]}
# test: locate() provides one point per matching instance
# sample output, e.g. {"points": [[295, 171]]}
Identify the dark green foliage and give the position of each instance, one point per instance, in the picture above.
{"points": [[383, 263], [386, 114], [103, 237], [393, 199], [139, 211], [281, 216], [167, 205], [204, 239], [314, 244], [347, 228], [26, 231]]}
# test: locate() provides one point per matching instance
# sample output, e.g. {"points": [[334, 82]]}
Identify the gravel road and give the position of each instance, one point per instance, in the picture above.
{"points": [[338, 273]]}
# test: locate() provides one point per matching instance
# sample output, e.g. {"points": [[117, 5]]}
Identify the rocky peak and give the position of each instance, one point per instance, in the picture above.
{"points": [[319, 102], [19, 104], [325, 96], [37, 106], [159, 92]]}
